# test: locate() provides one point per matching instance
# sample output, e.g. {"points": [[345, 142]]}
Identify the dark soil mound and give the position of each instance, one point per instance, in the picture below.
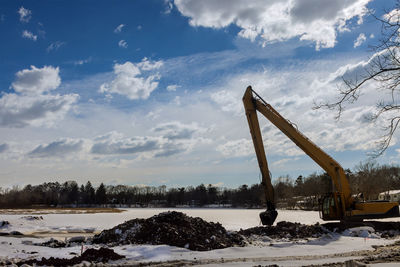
{"points": [[52, 243], [91, 255], [286, 230], [4, 223], [100, 255], [171, 228]]}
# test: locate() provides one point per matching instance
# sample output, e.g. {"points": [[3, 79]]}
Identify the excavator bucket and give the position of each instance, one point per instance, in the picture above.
{"points": [[268, 217]]}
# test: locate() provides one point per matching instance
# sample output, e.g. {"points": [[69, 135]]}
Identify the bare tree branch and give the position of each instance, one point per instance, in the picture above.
{"points": [[383, 72]]}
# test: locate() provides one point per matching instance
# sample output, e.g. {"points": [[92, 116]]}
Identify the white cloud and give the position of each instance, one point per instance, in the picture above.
{"points": [[228, 101], [177, 100], [172, 87], [25, 15], [22, 110], [283, 161], [172, 138], [37, 80], [29, 35], [236, 148], [118, 29], [115, 144], [82, 61], [54, 46], [168, 6], [147, 64], [60, 148], [362, 68], [277, 20], [393, 16], [131, 82], [3, 147], [123, 44], [32, 104], [360, 40], [177, 130]]}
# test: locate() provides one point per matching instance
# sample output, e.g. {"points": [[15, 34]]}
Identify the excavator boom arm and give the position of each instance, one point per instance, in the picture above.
{"points": [[333, 168]]}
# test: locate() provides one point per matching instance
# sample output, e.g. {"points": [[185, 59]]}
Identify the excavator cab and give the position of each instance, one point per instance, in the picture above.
{"points": [[330, 207]]}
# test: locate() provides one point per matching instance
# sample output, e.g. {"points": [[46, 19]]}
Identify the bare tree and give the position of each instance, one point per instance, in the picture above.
{"points": [[383, 72]]}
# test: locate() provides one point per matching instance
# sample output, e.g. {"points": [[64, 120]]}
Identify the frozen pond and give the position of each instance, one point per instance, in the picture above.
{"points": [[231, 219]]}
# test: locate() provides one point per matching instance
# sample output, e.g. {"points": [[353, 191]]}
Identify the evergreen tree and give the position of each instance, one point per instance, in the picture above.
{"points": [[101, 197], [90, 194]]}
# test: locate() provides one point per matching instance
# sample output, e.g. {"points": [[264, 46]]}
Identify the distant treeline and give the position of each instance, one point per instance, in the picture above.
{"points": [[367, 181]]}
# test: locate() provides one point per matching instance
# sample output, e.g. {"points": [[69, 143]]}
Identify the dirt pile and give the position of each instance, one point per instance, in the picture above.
{"points": [[32, 218], [52, 243], [286, 230], [90, 255], [11, 233], [171, 228]]}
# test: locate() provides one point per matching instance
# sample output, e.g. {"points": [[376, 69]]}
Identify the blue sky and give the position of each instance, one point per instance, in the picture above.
{"points": [[149, 91]]}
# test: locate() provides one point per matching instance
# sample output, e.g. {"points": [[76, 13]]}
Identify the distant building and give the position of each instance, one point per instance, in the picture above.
{"points": [[392, 195]]}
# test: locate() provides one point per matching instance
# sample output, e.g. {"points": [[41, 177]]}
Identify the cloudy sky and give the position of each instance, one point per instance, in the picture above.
{"points": [[149, 91]]}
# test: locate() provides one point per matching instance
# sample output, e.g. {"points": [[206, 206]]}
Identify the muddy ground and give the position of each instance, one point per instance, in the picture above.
{"points": [[381, 254], [286, 230]]}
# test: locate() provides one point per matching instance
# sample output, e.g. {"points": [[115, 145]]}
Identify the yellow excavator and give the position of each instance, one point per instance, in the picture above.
{"points": [[339, 204]]}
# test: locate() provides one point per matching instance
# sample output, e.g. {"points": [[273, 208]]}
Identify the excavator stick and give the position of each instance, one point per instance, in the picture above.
{"points": [[267, 217]]}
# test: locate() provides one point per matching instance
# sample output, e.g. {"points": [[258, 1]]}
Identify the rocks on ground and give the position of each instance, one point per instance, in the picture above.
{"points": [[4, 223], [384, 229], [54, 243], [90, 255], [384, 254], [171, 228], [12, 233], [32, 218]]}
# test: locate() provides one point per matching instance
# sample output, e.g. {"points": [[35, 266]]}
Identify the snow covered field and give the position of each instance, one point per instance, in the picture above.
{"points": [[328, 248], [231, 219]]}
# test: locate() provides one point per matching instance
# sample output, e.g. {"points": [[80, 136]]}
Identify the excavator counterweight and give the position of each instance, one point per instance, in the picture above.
{"points": [[339, 204]]}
